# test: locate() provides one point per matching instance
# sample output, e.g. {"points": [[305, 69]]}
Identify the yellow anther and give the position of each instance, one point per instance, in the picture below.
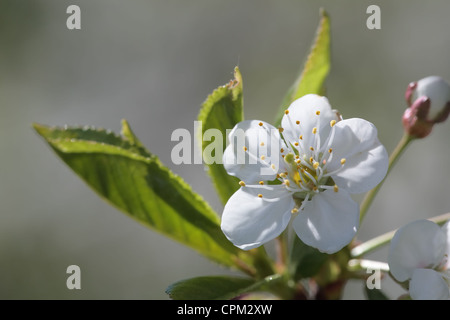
{"points": [[281, 130], [263, 157], [286, 112], [283, 175], [336, 188], [316, 165], [343, 161], [287, 183], [296, 144], [261, 182], [245, 148], [262, 144], [311, 148], [311, 159], [260, 124], [314, 130], [281, 150], [242, 183], [317, 112], [273, 166], [297, 156], [297, 122], [330, 150], [332, 123], [295, 210], [260, 195], [298, 161], [301, 137]]}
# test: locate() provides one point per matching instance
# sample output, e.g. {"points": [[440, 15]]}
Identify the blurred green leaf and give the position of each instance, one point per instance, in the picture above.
{"points": [[222, 110], [305, 261], [312, 77], [124, 173], [220, 287], [209, 288], [374, 294]]}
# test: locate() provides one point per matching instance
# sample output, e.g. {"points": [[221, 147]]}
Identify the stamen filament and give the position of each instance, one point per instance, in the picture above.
{"points": [[328, 143], [304, 202], [260, 160], [310, 177], [328, 174]]}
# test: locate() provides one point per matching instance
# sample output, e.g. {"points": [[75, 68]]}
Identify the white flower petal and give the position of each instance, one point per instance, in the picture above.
{"points": [[255, 162], [363, 171], [250, 221], [446, 229], [366, 159], [419, 244], [305, 111], [329, 221], [437, 90], [427, 284]]}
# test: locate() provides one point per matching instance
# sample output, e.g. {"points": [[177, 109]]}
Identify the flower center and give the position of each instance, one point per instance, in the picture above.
{"points": [[306, 165], [305, 176]]}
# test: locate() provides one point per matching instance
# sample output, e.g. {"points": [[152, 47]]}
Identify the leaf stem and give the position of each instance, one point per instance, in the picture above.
{"points": [[370, 196], [281, 251], [364, 264]]}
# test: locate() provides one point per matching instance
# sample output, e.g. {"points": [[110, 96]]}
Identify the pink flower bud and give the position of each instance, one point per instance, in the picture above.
{"points": [[429, 103]]}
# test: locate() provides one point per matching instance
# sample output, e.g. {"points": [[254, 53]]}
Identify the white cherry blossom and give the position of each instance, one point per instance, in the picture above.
{"points": [[419, 254], [305, 172]]}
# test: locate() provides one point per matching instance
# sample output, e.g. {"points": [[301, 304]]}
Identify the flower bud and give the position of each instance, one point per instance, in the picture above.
{"points": [[428, 103]]}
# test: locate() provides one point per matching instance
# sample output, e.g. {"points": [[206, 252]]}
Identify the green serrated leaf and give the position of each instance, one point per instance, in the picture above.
{"points": [[305, 261], [315, 71], [129, 135], [209, 288], [375, 294], [121, 171], [220, 287], [222, 110]]}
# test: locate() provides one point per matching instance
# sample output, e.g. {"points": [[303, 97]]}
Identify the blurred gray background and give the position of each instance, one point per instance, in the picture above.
{"points": [[154, 63]]}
